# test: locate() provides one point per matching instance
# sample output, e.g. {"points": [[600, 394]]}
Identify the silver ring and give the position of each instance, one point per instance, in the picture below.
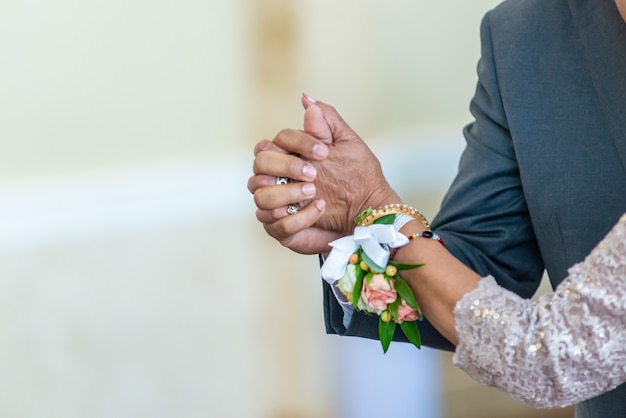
{"points": [[282, 180], [292, 209]]}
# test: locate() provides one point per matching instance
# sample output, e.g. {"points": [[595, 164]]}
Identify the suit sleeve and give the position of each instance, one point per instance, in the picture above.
{"points": [[483, 219]]}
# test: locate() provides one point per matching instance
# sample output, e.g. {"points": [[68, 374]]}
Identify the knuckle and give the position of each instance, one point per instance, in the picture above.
{"points": [[258, 198], [258, 148], [263, 163], [265, 216], [274, 230], [283, 134], [252, 184], [269, 229], [287, 242], [281, 228], [277, 213], [256, 164], [259, 216], [295, 165]]}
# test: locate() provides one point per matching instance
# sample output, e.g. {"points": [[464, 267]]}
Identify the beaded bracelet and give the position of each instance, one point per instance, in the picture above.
{"points": [[426, 234]]}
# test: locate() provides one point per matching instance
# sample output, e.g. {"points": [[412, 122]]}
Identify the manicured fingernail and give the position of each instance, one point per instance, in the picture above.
{"points": [[309, 171], [309, 98], [308, 189], [320, 205], [320, 150]]}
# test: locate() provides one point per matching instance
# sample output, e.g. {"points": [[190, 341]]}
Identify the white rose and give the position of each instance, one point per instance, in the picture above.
{"points": [[346, 283]]}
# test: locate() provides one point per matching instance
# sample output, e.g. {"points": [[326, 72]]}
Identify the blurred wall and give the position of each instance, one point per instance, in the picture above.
{"points": [[384, 65], [101, 83], [134, 280]]}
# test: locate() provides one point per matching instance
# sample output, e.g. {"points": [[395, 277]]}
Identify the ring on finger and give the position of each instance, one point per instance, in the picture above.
{"points": [[292, 209], [283, 180]]}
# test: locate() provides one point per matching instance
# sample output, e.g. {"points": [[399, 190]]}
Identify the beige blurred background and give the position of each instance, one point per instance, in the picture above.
{"points": [[134, 279]]}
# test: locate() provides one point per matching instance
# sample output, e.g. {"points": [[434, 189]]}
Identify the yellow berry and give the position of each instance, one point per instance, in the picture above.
{"points": [[386, 316], [364, 266], [354, 259], [391, 270]]}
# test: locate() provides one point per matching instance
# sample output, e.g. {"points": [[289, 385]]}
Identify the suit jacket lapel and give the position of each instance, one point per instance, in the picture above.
{"points": [[603, 37]]}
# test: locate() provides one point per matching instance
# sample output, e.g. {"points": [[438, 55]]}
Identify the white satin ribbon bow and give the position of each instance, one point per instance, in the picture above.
{"points": [[371, 239]]}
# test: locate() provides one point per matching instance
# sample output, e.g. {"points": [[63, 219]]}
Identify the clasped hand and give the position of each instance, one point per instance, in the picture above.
{"points": [[334, 177]]}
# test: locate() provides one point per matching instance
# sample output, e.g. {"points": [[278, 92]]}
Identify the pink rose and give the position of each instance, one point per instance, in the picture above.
{"points": [[378, 293], [406, 313]]}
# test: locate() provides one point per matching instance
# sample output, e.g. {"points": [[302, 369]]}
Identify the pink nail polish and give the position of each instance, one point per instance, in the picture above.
{"points": [[308, 189], [309, 98], [309, 171], [320, 205], [320, 150]]}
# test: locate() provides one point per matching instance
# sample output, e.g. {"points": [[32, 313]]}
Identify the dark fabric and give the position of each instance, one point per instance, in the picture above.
{"points": [[542, 178]]}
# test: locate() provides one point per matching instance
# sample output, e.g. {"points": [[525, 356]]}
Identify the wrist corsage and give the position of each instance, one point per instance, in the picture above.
{"points": [[359, 266]]}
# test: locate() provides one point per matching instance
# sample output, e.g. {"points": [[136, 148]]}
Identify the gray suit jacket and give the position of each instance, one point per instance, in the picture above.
{"points": [[542, 178]]}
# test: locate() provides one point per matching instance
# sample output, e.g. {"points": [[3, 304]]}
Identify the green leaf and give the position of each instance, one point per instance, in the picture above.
{"points": [[385, 333], [412, 333], [386, 220], [401, 266], [358, 271], [393, 307], [359, 218], [406, 293], [358, 284]]}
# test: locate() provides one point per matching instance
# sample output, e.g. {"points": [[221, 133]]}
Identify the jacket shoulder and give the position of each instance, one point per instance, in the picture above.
{"points": [[524, 10], [528, 17], [526, 32]]}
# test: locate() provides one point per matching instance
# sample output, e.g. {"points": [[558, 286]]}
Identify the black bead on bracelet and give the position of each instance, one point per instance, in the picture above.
{"points": [[424, 234]]}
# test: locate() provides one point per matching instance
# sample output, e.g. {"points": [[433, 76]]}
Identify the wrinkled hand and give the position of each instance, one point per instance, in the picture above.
{"points": [[329, 162], [296, 232], [350, 179]]}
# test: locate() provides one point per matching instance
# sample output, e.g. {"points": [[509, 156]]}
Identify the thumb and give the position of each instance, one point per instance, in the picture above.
{"points": [[316, 125], [324, 122]]}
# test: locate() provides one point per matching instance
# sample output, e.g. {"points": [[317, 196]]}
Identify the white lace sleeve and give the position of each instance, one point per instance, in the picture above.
{"points": [[567, 346]]}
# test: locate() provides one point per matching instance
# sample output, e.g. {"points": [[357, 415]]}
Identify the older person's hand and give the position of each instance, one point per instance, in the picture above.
{"points": [[350, 179], [273, 199], [330, 163]]}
